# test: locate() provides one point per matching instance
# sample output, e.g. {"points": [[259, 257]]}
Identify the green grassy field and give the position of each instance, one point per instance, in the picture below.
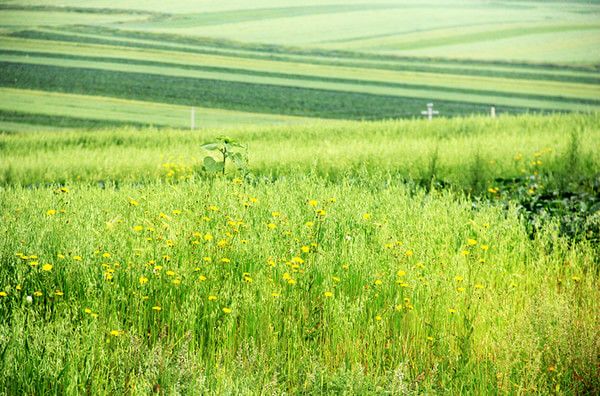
{"points": [[126, 269], [340, 60], [349, 246]]}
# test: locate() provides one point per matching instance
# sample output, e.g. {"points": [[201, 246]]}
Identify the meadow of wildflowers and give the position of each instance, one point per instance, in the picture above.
{"points": [[329, 271]]}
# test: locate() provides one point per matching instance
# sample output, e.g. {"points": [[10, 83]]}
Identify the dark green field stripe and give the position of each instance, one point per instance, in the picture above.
{"points": [[65, 121], [81, 10], [301, 77], [259, 98], [326, 61]]}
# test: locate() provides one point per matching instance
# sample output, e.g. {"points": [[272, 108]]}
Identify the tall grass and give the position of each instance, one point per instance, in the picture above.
{"points": [[167, 281], [504, 147], [384, 290]]}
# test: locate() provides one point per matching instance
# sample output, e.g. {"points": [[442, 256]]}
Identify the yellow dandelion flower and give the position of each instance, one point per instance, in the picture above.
{"points": [[212, 298], [313, 202], [225, 260], [479, 286], [366, 216], [58, 293], [176, 282], [430, 338], [37, 293], [409, 253], [3, 294], [116, 333], [156, 308], [222, 243], [345, 267], [87, 311], [328, 294], [471, 242], [274, 294], [176, 212], [138, 228], [378, 318], [33, 263], [460, 289], [51, 212], [459, 278], [275, 214], [309, 224], [133, 202], [297, 260], [484, 247], [321, 212], [452, 310], [291, 281], [400, 273], [170, 273], [576, 278], [378, 282], [465, 252], [305, 249], [77, 258], [208, 237], [202, 278], [336, 279], [227, 310]]}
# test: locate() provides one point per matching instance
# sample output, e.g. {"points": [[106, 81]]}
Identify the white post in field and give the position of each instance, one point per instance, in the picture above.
{"points": [[430, 112], [193, 118], [493, 112]]}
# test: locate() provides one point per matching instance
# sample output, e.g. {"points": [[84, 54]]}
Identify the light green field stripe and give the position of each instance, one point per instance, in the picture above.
{"points": [[535, 87], [19, 18], [308, 58], [457, 36], [104, 108], [377, 90]]}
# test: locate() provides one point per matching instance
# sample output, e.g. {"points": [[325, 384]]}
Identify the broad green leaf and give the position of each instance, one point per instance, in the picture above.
{"points": [[210, 146], [211, 165]]}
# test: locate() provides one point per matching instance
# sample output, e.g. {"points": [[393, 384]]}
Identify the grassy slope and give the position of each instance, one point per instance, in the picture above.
{"points": [[355, 85]]}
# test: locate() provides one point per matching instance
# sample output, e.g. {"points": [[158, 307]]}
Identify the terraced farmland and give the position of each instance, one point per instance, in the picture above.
{"points": [[86, 64]]}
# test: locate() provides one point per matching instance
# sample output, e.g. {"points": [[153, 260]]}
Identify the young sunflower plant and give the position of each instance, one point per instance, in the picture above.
{"points": [[228, 150]]}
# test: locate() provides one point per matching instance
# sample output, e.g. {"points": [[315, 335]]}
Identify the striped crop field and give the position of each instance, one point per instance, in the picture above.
{"points": [[88, 64]]}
